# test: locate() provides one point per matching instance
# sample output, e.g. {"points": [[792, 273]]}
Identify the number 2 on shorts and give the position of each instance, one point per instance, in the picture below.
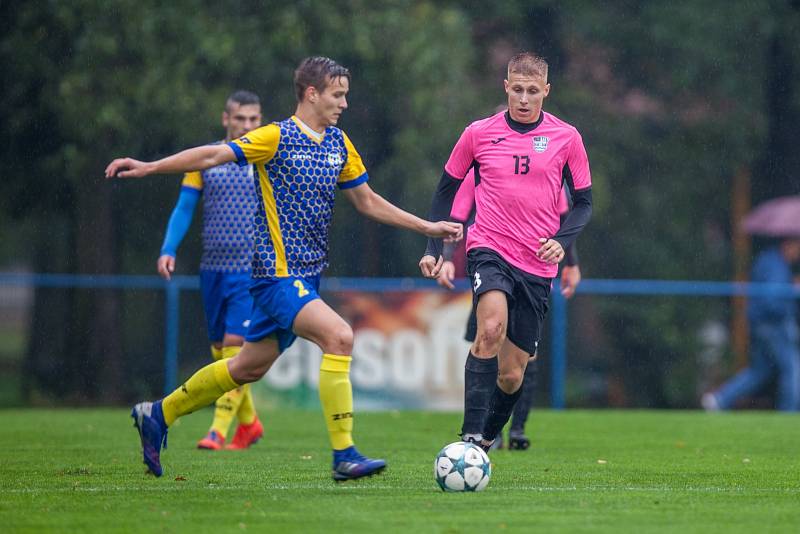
{"points": [[301, 290]]}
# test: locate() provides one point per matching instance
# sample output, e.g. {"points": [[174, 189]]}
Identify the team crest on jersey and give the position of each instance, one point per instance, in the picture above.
{"points": [[335, 159], [540, 143]]}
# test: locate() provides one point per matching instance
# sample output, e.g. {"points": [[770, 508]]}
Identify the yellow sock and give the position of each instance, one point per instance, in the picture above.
{"points": [[225, 409], [227, 405], [203, 388], [247, 410], [336, 396], [216, 353]]}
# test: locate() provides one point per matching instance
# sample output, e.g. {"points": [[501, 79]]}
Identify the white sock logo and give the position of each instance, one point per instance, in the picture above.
{"points": [[477, 282]]}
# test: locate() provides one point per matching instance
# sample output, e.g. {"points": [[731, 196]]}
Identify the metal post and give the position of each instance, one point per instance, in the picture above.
{"points": [[558, 347], [172, 310]]}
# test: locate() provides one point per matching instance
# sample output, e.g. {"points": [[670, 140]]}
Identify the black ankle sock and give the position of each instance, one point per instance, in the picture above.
{"points": [[500, 409], [525, 402], [480, 377]]}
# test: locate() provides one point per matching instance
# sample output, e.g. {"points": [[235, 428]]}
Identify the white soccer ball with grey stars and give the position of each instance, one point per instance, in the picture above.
{"points": [[462, 466]]}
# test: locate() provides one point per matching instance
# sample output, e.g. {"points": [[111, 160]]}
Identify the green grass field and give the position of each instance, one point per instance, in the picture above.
{"points": [[587, 471]]}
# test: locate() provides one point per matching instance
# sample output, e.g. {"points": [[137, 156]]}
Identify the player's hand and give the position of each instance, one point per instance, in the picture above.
{"points": [[166, 266], [430, 266], [447, 274], [127, 168], [450, 231], [550, 250], [570, 278]]}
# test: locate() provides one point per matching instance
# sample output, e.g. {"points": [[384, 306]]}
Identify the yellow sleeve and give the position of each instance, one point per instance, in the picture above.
{"points": [[193, 180], [354, 172], [258, 146]]}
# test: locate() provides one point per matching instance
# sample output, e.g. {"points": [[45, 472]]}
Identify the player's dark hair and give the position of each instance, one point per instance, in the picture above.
{"points": [[317, 72], [528, 64], [243, 98]]}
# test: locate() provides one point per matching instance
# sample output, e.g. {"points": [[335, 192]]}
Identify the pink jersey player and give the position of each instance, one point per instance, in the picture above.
{"points": [[520, 177], [464, 202], [522, 159]]}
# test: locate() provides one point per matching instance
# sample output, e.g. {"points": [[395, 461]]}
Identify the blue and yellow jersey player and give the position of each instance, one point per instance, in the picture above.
{"points": [[299, 163], [228, 194]]}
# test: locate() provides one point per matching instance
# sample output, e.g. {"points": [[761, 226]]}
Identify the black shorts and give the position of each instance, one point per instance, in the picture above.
{"points": [[527, 296]]}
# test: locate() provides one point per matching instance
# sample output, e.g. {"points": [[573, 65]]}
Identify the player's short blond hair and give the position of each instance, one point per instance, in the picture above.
{"points": [[528, 64]]}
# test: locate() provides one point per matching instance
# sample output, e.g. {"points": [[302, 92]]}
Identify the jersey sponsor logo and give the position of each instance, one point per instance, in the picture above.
{"points": [[540, 143], [477, 282], [245, 140], [335, 159], [295, 155], [495, 141]]}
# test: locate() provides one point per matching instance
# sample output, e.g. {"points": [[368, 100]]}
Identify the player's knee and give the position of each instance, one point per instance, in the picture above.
{"points": [[491, 335], [510, 380], [249, 372], [339, 340], [252, 363]]}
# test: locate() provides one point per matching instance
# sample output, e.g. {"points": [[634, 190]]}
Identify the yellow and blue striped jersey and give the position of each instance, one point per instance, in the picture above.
{"points": [[295, 189], [228, 206]]}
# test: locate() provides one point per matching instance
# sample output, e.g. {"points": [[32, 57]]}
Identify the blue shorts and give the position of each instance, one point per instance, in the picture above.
{"points": [[227, 302], [276, 302]]}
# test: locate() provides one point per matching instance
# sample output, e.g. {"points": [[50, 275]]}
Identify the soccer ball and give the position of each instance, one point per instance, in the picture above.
{"points": [[462, 466]]}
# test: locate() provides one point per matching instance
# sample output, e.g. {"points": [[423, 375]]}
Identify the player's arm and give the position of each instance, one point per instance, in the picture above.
{"points": [[192, 159], [377, 208], [570, 272], [463, 211], [578, 218], [577, 177], [179, 223], [441, 205], [353, 182], [449, 187]]}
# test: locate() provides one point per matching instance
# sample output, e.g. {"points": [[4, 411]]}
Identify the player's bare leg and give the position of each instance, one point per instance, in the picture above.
{"points": [[254, 360], [317, 322]]}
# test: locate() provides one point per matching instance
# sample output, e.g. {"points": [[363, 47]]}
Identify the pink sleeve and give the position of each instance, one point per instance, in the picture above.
{"points": [[462, 156], [578, 163], [465, 198]]}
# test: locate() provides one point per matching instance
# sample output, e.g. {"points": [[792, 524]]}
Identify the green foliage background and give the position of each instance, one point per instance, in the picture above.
{"points": [[672, 100]]}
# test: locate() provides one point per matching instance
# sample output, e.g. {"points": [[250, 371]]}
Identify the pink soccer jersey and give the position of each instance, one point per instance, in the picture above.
{"points": [[464, 201], [521, 177]]}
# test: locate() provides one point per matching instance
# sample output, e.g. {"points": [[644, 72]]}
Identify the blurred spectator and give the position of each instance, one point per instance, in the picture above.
{"points": [[774, 337]]}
